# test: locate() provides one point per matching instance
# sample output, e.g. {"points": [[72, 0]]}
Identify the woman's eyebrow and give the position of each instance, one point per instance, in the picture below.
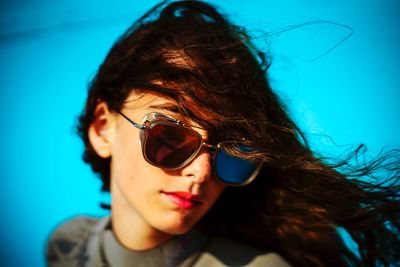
{"points": [[166, 106]]}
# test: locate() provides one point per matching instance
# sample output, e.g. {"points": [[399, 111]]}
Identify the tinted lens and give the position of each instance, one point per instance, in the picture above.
{"points": [[234, 170], [169, 146]]}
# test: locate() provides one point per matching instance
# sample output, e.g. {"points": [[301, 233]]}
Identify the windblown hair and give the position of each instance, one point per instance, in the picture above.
{"points": [[300, 200]]}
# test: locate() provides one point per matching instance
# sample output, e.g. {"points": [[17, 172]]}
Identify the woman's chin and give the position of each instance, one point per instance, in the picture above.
{"points": [[175, 227]]}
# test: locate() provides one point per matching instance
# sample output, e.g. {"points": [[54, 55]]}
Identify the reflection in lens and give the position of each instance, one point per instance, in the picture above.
{"points": [[231, 169], [168, 146]]}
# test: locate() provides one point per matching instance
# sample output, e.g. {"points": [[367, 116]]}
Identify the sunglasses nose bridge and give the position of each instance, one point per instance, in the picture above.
{"points": [[209, 147], [204, 144]]}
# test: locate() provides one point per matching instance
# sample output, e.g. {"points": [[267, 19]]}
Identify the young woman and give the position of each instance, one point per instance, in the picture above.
{"points": [[204, 166]]}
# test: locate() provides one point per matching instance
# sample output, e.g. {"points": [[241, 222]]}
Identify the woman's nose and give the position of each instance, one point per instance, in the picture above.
{"points": [[200, 168]]}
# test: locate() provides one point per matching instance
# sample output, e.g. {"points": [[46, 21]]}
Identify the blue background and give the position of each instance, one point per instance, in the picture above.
{"points": [[49, 51]]}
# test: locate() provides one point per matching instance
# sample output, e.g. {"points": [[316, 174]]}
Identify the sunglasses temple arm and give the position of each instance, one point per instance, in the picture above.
{"points": [[132, 122]]}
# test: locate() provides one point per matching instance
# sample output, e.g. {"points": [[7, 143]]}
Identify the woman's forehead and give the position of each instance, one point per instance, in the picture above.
{"points": [[144, 99], [150, 100]]}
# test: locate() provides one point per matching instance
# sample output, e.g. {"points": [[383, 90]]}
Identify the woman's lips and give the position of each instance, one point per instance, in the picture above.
{"points": [[183, 200]]}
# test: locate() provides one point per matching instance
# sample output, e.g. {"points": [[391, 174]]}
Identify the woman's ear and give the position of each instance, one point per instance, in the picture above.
{"points": [[101, 131]]}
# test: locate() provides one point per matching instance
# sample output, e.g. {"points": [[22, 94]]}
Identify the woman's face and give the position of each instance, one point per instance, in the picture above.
{"points": [[170, 201]]}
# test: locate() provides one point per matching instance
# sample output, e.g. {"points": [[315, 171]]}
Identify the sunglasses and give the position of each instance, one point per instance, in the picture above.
{"points": [[168, 143]]}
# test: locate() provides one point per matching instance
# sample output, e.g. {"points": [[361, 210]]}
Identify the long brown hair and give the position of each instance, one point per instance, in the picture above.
{"points": [[300, 200]]}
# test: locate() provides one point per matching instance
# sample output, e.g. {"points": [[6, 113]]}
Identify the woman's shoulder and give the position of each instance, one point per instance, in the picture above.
{"points": [[226, 252], [68, 241]]}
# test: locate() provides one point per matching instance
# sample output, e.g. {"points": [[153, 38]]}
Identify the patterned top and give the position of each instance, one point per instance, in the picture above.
{"points": [[90, 242]]}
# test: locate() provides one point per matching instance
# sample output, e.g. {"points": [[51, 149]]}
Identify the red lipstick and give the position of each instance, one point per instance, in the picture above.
{"points": [[183, 200]]}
